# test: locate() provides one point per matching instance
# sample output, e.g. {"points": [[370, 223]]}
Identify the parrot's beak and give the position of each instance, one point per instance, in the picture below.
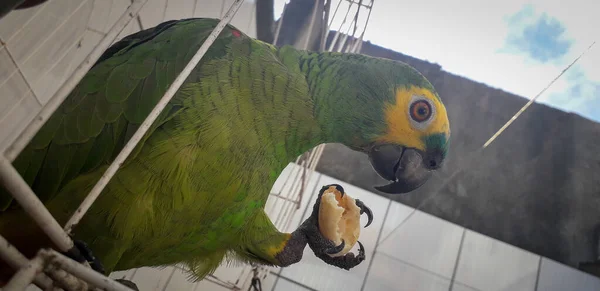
{"points": [[407, 168]]}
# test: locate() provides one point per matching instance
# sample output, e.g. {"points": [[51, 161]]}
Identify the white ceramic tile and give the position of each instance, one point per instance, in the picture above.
{"points": [[131, 28], [55, 48], [426, 242], [32, 36], [181, 281], [100, 14], [117, 8], [127, 275], [277, 207], [558, 277], [251, 31], [16, 19], [390, 274], [457, 286], [489, 264], [179, 9], [268, 283], [17, 119], [287, 285], [12, 84], [397, 213], [207, 285], [152, 278], [208, 8], [314, 273], [243, 18], [226, 5], [7, 66], [46, 85], [153, 13], [230, 273], [12, 90], [285, 177]]}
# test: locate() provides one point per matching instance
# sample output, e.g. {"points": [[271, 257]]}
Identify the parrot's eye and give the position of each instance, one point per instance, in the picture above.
{"points": [[420, 111]]}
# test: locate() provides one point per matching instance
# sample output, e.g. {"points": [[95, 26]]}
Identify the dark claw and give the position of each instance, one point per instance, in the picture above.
{"points": [[128, 284], [337, 187], [347, 261], [340, 188], [323, 248], [335, 250], [365, 209], [361, 250], [82, 253]]}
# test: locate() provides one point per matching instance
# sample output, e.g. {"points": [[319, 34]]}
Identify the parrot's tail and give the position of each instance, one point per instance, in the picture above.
{"points": [[20, 230], [200, 268]]}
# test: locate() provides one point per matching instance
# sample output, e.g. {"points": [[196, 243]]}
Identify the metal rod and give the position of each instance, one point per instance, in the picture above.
{"points": [[80, 271], [112, 169], [25, 275], [512, 119], [334, 14], [26, 135], [358, 44], [32, 205], [17, 260], [337, 32], [345, 37]]}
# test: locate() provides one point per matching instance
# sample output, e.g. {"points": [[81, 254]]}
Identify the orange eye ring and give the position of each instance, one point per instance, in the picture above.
{"points": [[420, 111]]}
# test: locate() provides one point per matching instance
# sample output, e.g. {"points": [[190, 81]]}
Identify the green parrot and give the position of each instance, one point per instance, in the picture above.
{"points": [[193, 191]]}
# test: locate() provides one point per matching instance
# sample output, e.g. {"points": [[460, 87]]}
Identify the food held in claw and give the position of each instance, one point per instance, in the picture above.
{"points": [[339, 219]]}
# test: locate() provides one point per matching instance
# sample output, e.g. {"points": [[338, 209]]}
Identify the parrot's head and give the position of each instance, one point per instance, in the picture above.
{"points": [[392, 113], [415, 141]]}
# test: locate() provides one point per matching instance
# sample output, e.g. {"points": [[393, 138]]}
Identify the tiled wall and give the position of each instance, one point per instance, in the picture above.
{"points": [[406, 250], [420, 252], [41, 46]]}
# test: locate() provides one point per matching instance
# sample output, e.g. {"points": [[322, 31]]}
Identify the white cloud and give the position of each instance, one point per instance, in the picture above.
{"points": [[466, 38]]}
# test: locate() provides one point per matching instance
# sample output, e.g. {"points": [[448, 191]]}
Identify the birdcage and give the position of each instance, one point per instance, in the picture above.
{"points": [[77, 49]]}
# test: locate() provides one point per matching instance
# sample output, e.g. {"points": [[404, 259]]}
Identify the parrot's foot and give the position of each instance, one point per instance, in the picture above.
{"points": [[128, 284], [347, 261], [82, 253], [323, 247], [365, 209]]}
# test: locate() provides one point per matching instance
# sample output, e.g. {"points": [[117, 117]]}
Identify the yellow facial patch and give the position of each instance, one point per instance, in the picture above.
{"points": [[405, 130]]}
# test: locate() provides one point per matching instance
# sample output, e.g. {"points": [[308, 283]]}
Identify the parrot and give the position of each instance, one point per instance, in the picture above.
{"points": [[7, 6], [193, 191]]}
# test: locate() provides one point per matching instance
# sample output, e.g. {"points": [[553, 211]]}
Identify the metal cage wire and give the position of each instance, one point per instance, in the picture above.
{"points": [[288, 198], [30, 270], [73, 274]]}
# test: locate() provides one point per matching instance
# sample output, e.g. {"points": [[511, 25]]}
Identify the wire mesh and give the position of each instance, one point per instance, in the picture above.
{"points": [[285, 201], [35, 208]]}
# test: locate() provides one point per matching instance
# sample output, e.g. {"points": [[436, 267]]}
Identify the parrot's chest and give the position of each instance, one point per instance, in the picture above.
{"points": [[212, 192]]}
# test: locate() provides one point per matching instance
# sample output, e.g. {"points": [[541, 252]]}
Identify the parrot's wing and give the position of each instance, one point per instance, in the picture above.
{"points": [[105, 109]]}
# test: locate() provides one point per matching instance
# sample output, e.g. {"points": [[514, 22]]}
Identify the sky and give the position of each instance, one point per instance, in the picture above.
{"points": [[516, 46]]}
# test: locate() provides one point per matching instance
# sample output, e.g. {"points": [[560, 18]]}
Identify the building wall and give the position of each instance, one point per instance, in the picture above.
{"points": [[535, 187]]}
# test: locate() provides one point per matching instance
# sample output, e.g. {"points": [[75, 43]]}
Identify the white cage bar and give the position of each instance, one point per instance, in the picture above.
{"points": [[31, 270], [16, 185], [286, 204]]}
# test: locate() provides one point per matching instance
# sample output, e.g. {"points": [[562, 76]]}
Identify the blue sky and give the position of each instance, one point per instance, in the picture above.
{"points": [[517, 46]]}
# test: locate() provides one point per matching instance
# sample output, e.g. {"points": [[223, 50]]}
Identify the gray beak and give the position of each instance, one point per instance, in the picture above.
{"points": [[407, 169]]}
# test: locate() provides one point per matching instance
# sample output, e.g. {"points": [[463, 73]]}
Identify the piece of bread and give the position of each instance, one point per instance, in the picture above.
{"points": [[339, 218]]}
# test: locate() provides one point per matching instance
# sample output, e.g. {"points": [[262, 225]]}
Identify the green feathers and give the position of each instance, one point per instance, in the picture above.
{"points": [[194, 188]]}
